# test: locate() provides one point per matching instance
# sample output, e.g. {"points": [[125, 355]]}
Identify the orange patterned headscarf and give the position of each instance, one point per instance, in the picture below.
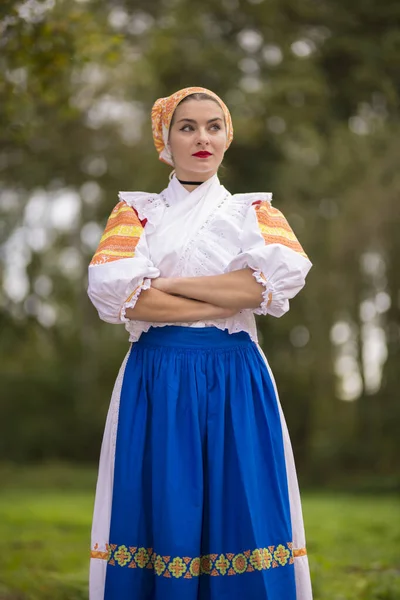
{"points": [[162, 113]]}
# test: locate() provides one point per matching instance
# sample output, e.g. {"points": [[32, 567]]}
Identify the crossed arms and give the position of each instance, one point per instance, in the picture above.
{"points": [[189, 299]]}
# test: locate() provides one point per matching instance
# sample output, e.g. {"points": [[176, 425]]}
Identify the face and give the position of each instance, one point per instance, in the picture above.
{"points": [[197, 139]]}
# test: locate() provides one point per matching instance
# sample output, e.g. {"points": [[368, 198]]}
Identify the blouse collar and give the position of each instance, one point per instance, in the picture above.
{"points": [[176, 192]]}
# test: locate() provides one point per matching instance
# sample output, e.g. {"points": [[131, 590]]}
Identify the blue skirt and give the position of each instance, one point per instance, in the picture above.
{"points": [[200, 506]]}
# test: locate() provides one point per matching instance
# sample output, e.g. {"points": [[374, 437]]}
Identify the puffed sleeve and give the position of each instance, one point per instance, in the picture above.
{"points": [[270, 247], [121, 267]]}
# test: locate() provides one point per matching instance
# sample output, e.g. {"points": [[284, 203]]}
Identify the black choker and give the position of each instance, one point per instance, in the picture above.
{"points": [[190, 182]]}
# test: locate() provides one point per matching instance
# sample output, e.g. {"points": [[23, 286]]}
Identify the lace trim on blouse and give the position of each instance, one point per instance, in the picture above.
{"points": [[267, 292], [133, 298]]}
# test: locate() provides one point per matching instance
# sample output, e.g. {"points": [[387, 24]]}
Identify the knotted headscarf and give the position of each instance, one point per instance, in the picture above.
{"points": [[162, 113]]}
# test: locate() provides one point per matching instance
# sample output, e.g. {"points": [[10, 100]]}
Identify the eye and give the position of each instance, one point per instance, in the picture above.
{"points": [[186, 128], [216, 126]]}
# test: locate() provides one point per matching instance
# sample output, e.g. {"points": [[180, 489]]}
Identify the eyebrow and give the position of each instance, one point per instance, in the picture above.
{"points": [[194, 121]]}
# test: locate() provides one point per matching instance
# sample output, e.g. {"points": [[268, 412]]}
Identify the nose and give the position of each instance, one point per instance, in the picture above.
{"points": [[203, 138]]}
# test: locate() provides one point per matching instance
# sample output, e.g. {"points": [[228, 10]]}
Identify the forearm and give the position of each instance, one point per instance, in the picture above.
{"points": [[155, 306], [236, 290]]}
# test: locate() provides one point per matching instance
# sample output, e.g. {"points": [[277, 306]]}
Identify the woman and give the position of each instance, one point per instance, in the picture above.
{"points": [[197, 496]]}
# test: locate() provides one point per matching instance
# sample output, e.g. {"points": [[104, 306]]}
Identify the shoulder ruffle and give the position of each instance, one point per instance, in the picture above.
{"points": [[251, 197], [148, 206]]}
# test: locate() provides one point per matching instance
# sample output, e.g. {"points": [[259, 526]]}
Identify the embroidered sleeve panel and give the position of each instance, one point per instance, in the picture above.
{"points": [[274, 227], [120, 237]]}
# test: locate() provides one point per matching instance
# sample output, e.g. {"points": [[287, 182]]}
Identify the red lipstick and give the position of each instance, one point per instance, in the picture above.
{"points": [[202, 154]]}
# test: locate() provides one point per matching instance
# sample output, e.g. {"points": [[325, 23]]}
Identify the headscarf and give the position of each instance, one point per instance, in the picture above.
{"points": [[162, 113]]}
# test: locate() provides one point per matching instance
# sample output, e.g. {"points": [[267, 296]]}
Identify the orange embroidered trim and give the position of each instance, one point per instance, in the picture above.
{"points": [[129, 298], [120, 237], [275, 229], [260, 559], [299, 552], [263, 277], [98, 554]]}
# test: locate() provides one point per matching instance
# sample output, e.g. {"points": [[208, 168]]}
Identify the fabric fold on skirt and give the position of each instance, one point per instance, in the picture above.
{"points": [[200, 504]]}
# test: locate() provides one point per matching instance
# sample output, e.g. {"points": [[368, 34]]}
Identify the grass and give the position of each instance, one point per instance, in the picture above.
{"points": [[45, 517], [354, 546]]}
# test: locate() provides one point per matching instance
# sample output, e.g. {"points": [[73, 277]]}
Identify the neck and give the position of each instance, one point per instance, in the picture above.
{"points": [[190, 184], [191, 181]]}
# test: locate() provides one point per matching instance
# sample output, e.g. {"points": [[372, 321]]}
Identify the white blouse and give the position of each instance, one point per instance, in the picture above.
{"points": [[190, 234]]}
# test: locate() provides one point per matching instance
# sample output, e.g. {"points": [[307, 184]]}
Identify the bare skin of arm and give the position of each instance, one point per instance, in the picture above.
{"points": [[236, 290], [156, 306]]}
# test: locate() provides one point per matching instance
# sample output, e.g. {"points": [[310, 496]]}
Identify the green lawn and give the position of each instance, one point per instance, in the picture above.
{"points": [[45, 514]]}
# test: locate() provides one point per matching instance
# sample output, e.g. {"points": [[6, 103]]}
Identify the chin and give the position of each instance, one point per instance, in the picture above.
{"points": [[204, 174], [205, 168]]}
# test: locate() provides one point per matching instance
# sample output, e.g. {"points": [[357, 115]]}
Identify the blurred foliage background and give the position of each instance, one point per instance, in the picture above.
{"points": [[313, 88]]}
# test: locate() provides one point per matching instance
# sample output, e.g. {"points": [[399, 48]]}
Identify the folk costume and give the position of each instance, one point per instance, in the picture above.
{"points": [[197, 495]]}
